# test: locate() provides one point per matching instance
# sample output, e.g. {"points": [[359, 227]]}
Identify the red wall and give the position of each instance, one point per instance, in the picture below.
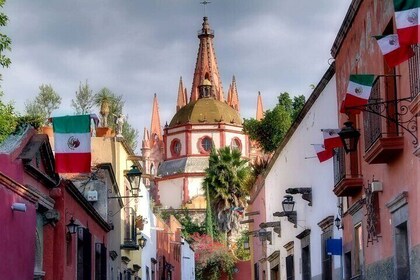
{"points": [[17, 237]]}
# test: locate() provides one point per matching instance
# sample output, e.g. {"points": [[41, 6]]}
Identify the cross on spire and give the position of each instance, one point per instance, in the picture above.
{"points": [[204, 3]]}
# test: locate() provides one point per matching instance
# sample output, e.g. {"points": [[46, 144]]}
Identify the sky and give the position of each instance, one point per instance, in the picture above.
{"points": [[137, 48]]}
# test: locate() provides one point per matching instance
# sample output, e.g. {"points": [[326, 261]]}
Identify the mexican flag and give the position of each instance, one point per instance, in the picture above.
{"points": [[407, 21], [358, 92], [393, 52], [72, 144], [322, 153], [332, 139]]}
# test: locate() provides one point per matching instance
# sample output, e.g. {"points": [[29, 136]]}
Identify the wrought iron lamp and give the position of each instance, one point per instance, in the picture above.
{"points": [[349, 136], [142, 241], [71, 229], [338, 223], [288, 205], [133, 177]]}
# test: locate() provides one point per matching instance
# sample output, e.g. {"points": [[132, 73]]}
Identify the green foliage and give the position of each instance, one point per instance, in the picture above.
{"points": [[298, 103], [226, 179], [240, 252], [8, 120], [84, 100], [189, 226], [130, 135], [270, 130], [35, 121], [45, 102], [5, 41]]}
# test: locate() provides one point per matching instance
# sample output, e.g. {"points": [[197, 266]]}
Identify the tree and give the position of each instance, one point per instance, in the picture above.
{"points": [[5, 42], [226, 177], [241, 252], [270, 130], [47, 101], [8, 120], [84, 99], [130, 135]]}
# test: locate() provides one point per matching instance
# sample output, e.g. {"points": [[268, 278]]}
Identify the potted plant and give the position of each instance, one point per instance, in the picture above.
{"points": [[103, 100]]}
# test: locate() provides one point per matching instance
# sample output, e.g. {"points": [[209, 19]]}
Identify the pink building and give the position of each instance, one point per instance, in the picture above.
{"points": [[379, 182]]}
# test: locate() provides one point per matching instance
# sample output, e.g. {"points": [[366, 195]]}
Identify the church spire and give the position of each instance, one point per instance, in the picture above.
{"points": [[233, 99], [206, 65], [182, 96], [155, 128], [260, 110]]}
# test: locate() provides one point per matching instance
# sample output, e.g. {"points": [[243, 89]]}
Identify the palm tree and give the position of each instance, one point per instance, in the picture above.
{"points": [[226, 179]]}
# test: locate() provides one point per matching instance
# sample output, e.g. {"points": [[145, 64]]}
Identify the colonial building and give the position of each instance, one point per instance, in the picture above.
{"points": [[293, 245], [179, 157], [379, 181]]}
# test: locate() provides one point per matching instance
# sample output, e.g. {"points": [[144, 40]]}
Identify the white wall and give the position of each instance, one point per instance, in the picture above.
{"points": [[170, 192], [187, 262], [149, 232], [296, 167]]}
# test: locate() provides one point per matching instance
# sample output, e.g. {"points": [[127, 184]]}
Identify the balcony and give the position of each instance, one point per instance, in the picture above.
{"points": [[382, 138], [345, 184]]}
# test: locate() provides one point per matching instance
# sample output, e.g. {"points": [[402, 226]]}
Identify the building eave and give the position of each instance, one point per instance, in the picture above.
{"points": [[90, 210], [345, 26]]}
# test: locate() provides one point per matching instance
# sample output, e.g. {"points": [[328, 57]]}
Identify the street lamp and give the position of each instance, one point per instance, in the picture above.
{"points": [[338, 223], [133, 177], [349, 136], [142, 241], [71, 229], [288, 204]]}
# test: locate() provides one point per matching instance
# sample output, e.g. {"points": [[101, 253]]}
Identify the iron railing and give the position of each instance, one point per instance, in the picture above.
{"points": [[414, 71], [339, 165], [372, 122]]}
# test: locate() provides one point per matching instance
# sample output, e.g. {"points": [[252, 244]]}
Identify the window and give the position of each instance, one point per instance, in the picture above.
{"points": [[290, 266], [402, 256], [206, 144], [176, 147], [84, 241], [100, 261], [256, 271], [236, 144], [290, 269], [326, 259], [358, 249]]}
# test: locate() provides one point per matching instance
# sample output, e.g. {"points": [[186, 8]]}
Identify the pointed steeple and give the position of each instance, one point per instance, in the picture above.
{"points": [[146, 139], [182, 100], [155, 128], [206, 65], [233, 99], [260, 110]]}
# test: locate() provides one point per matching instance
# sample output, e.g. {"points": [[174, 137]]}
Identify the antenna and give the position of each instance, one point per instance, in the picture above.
{"points": [[204, 3]]}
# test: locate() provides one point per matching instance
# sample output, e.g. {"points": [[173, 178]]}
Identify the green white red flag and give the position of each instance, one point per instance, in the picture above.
{"points": [[358, 92], [72, 144], [332, 139], [407, 21], [322, 153], [393, 52]]}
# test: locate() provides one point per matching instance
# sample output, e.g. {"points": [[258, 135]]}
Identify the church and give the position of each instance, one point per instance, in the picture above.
{"points": [[178, 157]]}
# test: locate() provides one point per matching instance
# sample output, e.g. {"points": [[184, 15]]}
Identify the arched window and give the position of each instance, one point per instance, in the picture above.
{"points": [[236, 144]]}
